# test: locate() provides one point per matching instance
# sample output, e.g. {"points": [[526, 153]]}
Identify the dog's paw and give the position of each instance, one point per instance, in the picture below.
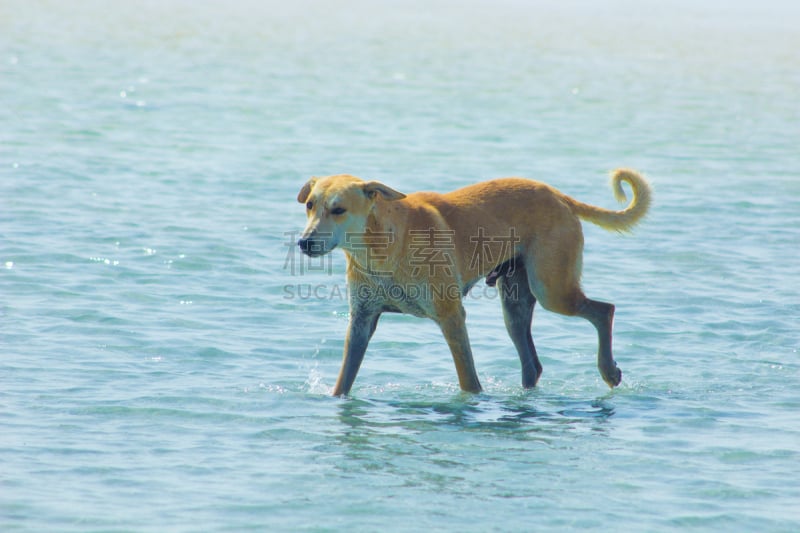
{"points": [[612, 376]]}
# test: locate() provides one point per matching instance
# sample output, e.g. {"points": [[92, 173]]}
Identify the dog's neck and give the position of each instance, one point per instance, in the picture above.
{"points": [[374, 253]]}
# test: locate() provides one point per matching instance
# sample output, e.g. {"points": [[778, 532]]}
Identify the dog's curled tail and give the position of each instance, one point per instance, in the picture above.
{"points": [[627, 218]]}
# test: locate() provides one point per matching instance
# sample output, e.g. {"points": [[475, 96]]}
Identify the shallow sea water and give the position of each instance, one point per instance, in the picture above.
{"points": [[167, 357]]}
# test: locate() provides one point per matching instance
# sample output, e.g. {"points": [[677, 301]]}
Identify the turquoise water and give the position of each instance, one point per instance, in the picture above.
{"points": [[167, 358]]}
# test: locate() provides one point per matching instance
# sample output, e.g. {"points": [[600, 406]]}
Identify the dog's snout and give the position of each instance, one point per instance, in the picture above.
{"points": [[312, 247]]}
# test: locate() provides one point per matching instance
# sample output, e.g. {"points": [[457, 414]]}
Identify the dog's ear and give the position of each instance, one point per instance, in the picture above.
{"points": [[371, 188], [302, 196]]}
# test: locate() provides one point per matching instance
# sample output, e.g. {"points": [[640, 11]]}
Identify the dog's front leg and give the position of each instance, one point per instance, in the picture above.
{"points": [[359, 332], [451, 319]]}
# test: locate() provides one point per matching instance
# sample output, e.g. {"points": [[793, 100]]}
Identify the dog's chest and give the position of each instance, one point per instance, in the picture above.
{"points": [[388, 294]]}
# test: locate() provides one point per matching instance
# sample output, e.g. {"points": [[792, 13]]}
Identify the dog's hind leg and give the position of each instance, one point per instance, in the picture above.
{"points": [[601, 315], [554, 271], [564, 295], [518, 303]]}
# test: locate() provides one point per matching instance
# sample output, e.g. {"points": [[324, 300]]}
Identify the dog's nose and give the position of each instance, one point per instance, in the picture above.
{"points": [[311, 247]]}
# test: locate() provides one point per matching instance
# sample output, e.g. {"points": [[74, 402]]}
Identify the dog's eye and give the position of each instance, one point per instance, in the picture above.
{"points": [[338, 211], [309, 205]]}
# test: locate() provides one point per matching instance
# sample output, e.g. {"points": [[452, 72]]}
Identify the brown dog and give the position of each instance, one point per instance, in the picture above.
{"points": [[421, 253]]}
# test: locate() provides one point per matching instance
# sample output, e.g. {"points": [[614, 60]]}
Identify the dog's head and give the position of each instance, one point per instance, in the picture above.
{"points": [[338, 206]]}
